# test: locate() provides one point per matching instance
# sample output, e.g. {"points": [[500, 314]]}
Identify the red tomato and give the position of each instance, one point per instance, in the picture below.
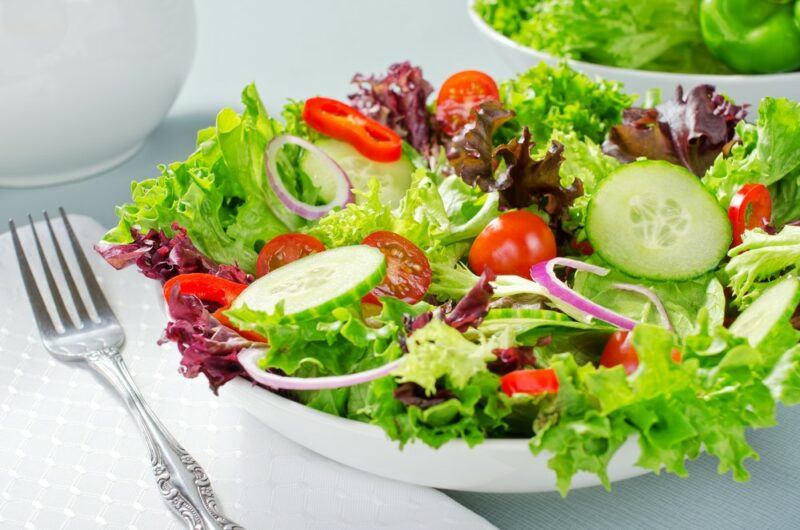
{"points": [[206, 287], [341, 121], [619, 350], [750, 208], [532, 382], [512, 244], [284, 249], [408, 273], [459, 94]]}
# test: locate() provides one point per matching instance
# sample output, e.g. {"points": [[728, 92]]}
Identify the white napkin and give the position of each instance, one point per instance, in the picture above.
{"points": [[70, 456]]}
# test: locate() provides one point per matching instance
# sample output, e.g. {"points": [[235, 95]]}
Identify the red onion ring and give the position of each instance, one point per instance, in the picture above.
{"points": [[248, 358], [344, 193], [543, 274]]}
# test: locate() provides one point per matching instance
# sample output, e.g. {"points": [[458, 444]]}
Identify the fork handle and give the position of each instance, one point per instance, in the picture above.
{"points": [[182, 482]]}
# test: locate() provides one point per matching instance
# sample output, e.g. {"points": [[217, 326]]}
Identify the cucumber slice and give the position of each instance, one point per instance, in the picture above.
{"points": [[318, 283], [524, 320], [760, 322], [655, 220], [394, 177]]}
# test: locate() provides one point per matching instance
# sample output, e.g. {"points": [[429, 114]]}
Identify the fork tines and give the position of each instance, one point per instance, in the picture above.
{"points": [[71, 313]]}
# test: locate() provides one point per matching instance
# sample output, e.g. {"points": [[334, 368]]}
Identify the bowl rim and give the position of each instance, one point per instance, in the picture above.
{"points": [[614, 71]]}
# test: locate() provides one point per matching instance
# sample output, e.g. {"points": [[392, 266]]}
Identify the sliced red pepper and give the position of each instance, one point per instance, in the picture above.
{"points": [[531, 382], [750, 208], [206, 287], [341, 121]]}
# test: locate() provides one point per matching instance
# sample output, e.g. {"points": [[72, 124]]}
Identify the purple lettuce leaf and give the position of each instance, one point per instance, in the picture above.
{"points": [[511, 359], [160, 256], [413, 395], [690, 130], [207, 347], [397, 100]]}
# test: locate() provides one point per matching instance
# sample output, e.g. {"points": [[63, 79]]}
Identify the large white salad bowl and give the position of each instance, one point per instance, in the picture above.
{"points": [[741, 88]]}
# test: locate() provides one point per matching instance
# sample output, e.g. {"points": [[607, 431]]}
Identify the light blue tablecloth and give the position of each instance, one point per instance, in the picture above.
{"points": [[297, 49]]}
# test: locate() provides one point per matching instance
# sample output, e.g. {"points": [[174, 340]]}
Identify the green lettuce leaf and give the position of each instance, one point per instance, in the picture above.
{"points": [[219, 194], [769, 154], [682, 300], [440, 219]]}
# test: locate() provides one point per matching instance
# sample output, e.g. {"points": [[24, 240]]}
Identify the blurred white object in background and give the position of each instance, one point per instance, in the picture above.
{"points": [[741, 88], [83, 82]]}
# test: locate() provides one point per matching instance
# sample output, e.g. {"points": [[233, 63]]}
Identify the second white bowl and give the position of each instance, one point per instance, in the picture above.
{"points": [[741, 88]]}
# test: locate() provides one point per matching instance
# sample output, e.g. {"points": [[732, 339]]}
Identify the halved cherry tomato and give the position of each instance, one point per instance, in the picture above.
{"points": [[206, 287], [341, 121], [750, 208], [532, 382], [619, 350], [408, 273], [219, 314], [284, 249], [512, 244], [459, 94]]}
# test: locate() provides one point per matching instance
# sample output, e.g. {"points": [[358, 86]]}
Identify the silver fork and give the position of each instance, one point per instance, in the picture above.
{"points": [[96, 341]]}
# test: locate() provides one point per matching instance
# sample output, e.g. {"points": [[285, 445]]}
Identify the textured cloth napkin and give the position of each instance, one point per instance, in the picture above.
{"points": [[71, 457]]}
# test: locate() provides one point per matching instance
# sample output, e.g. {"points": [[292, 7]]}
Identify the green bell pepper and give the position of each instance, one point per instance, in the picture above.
{"points": [[753, 36]]}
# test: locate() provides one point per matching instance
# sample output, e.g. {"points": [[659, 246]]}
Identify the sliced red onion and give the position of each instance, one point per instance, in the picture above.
{"points": [[344, 193], [543, 274], [248, 358], [650, 295]]}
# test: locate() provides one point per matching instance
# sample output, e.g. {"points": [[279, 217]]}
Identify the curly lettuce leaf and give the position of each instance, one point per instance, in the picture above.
{"points": [[556, 98], [769, 154], [440, 219], [219, 194]]}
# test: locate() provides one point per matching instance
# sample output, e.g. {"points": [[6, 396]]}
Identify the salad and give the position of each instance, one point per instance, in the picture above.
{"points": [[690, 36], [537, 260]]}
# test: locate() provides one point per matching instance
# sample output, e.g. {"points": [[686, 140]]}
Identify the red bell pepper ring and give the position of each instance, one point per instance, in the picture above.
{"points": [[342, 122], [750, 208], [212, 289], [532, 382], [206, 287]]}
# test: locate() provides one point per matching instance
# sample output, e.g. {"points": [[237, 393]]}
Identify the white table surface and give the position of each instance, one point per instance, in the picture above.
{"points": [[301, 48]]}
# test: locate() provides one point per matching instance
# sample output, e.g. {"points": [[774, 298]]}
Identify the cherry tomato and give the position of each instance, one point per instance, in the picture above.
{"points": [[408, 273], [750, 208], [512, 244], [532, 382], [341, 121], [284, 249], [206, 287], [619, 350], [459, 94]]}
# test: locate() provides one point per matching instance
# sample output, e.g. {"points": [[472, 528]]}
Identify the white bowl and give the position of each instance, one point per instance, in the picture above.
{"points": [[741, 88], [494, 466], [83, 83]]}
